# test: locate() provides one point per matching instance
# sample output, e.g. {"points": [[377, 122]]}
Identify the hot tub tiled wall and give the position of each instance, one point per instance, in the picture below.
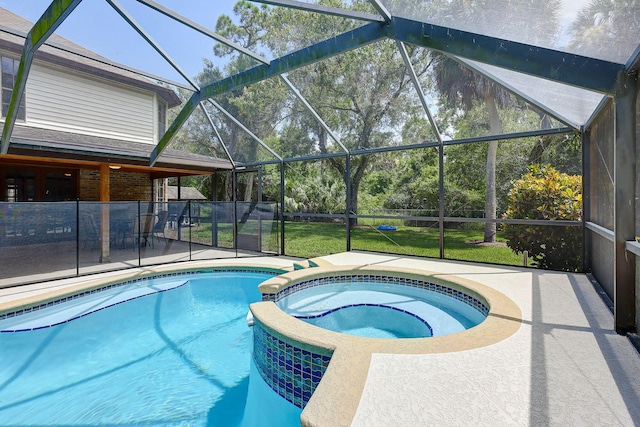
{"points": [[290, 370], [442, 289]]}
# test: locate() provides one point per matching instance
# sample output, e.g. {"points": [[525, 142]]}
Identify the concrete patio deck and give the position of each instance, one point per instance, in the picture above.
{"points": [[564, 366]]}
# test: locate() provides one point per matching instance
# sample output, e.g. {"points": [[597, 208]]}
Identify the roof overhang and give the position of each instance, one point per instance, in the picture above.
{"points": [[40, 145]]}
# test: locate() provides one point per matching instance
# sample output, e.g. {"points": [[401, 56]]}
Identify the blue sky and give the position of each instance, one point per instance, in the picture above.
{"points": [[96, 26]]}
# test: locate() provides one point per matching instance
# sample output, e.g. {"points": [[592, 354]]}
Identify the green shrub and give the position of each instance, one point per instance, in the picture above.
{"points": [[546, 194]]}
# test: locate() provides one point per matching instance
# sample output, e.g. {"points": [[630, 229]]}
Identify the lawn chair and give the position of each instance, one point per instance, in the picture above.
{"points": [[90, 234], [160, 225], [143, 229]]}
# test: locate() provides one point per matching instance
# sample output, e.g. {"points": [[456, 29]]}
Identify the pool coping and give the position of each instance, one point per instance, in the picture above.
{"points": [[337, 396]]}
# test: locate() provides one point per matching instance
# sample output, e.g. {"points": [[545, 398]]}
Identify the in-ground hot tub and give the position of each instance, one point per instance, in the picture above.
{"points": [[300, 360], [383, 306]]}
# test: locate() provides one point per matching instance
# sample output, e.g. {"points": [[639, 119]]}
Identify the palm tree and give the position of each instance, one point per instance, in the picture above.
{"points": [[462, 87], [607, 29]]}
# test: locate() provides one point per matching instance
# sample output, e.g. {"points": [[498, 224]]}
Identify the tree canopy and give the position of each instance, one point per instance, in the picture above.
{"points": [[367, 100]]}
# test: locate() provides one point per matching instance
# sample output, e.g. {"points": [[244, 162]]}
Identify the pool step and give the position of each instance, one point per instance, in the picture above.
{"points": [[250, 321], [302, 265]]}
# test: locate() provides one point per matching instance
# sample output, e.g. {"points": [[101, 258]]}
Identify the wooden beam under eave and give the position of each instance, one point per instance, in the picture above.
{"points": [[105, 197], [155, 172]]}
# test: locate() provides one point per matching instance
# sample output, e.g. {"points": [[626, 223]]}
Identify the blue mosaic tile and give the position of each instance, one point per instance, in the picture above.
{"points": [[292, 372], [373, 278]]}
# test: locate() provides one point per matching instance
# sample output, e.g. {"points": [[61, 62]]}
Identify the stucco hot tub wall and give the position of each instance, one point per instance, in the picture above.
{"points": [[343, 359]]}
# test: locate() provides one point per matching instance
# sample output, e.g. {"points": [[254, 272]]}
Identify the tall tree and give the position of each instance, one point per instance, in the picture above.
{"points": [[259, 107], [461, 87], [361, 94], [608, 29]]}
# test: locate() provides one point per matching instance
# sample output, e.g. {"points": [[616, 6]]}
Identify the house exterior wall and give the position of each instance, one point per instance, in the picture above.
{"points": [[124, 186], [59, 100], [68, 100]]}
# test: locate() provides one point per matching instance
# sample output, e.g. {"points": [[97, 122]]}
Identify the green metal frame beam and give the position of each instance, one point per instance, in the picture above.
{"points": [[147, 37], [50, 20], [202, 30], [581, 71], [312, 111], [320, 51], [327, 10], [309, 55], [418, 87]]}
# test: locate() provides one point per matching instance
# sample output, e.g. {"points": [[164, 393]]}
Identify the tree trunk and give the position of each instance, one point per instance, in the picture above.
{"points": [[228, 187], [490, 204], [248, 189], [490, 179], [354, 206], [229, 183], [535, 156], [355, 185]]}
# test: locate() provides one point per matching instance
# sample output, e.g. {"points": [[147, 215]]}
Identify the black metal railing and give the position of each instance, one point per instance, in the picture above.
{"points": [[52, 240]]}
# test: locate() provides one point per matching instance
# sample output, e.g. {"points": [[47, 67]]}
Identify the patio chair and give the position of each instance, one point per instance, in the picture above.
{"points": [[143, 229], [160, 225], [90, 234]]}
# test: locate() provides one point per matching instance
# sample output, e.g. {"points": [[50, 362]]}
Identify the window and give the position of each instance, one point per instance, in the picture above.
{"points": [[20, 186], [37, 184], [59, 186], [9, 73]]}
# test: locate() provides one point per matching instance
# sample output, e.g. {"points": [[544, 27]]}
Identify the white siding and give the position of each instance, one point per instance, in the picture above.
{"points": [[71, 103]]}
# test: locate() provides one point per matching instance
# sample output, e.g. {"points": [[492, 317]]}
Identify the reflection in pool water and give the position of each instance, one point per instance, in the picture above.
{"points": [[178, 353]]}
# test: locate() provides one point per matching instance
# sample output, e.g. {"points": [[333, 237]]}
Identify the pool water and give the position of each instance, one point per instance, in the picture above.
{"points": [[381, 310], [373, 321], [181, 356]]}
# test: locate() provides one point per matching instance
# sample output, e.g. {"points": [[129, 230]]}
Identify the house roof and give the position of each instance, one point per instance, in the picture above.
{"points": [[46, 143], [56, 144], [186, 193], [60, 51]]}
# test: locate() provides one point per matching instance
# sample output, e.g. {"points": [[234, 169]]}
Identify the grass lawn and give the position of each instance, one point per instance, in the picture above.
{"points": [[312, 239], [308, 240]]}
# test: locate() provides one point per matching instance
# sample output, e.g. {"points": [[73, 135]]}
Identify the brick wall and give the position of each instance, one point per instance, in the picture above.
{"points": [[125, 186], [89, 185]]}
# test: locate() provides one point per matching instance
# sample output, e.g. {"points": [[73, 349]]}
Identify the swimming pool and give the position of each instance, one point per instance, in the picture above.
{"points": [[165, 351], [378, 306]]}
